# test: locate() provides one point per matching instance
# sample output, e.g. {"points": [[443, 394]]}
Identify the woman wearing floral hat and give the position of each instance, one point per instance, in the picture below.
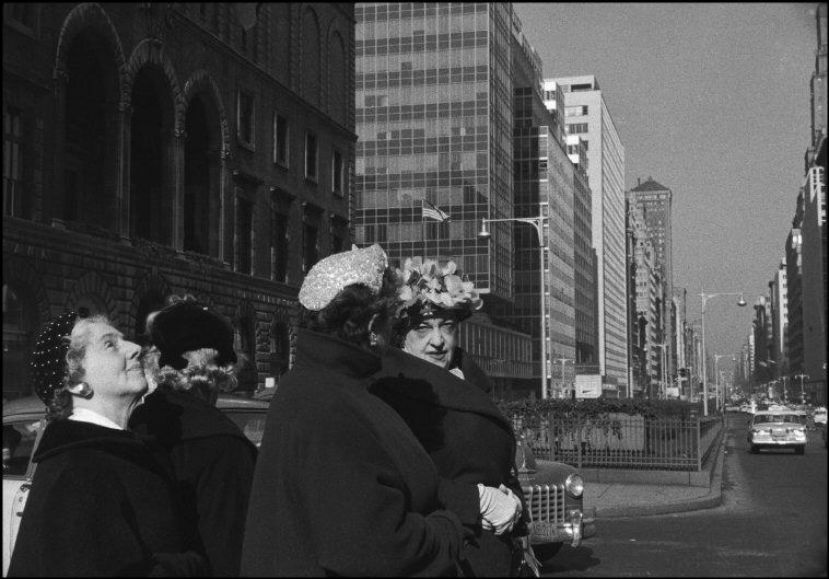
{"points": [[444, 397], [100, 505], [341, 486]]}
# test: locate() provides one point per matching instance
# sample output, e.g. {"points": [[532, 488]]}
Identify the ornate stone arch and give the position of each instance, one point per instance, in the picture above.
{"points": [[83, 17], [332, 36], [151, 51], [92, 286], [310, 86], [201, 82]]}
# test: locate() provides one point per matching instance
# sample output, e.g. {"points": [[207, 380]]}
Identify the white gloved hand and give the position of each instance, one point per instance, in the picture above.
{"points": [[499, 509]]}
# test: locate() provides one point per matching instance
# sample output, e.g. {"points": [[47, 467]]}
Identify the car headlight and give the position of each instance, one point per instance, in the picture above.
{"points": [[574, 485]]}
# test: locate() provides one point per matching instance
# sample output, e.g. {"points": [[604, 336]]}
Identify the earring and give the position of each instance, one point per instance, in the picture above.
{"points": [[372, 339], [84, 391]]}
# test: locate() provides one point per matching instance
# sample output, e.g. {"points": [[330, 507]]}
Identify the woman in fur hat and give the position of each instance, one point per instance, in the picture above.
{"points": [[100, 505], [444, 398], [192, 361]]}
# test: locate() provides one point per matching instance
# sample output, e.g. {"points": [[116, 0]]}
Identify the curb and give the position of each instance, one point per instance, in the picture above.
{"points": [[709, 501]]}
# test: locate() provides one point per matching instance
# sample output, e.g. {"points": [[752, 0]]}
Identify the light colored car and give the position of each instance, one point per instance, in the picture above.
{"points": [[819, 415], [23, 424], [777, 429]]}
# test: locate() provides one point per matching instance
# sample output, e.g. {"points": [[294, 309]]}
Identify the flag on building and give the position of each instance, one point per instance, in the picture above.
{"points": [[432, 212]]}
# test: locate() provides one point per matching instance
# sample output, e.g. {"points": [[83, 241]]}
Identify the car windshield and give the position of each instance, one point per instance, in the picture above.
{"points": [[790, 418]]}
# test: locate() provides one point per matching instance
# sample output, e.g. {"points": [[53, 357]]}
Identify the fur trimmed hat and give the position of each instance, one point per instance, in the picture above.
{"points": [[48, 367], [185, 326]]}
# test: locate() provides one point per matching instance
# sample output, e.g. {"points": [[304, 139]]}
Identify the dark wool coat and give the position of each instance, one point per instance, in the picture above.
{"points": [[342, 487], [467, 437], [100, 506], [213, 464]]}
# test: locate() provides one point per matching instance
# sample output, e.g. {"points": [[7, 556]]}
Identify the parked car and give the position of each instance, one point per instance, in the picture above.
{"points": [[554, 497], [23, 424], [776, 429], [819, 415]]}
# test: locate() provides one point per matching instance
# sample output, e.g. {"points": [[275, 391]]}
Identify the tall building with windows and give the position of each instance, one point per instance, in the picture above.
{"points": [[586, 114], [157, 148], [544, 186], [657, 202], [434, 116]]}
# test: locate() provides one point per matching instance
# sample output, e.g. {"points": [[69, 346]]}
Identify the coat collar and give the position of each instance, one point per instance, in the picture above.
{"points": [[316, 351], [447, 390]]}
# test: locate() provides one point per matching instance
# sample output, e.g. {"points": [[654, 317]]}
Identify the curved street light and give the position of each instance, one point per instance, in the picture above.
{"points": [[705, 297], [538, 223]]}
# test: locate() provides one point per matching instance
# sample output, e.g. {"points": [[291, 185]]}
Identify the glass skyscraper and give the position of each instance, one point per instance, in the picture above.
{"points": [[434, 119]]}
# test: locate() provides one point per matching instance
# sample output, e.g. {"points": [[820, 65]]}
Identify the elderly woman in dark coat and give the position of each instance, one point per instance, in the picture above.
{"points": [[192, 359], [342, 487], [444, 397], [100, 505]]}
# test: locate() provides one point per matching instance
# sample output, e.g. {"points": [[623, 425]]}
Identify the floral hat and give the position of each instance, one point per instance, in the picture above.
{"points": [[430, 289]]}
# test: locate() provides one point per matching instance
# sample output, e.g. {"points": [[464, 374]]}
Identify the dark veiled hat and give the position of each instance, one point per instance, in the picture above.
{"points": [[49, 356], [185, 326]]}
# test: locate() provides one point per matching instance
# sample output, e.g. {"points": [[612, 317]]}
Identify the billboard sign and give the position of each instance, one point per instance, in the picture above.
{"points": [[588, 385]]}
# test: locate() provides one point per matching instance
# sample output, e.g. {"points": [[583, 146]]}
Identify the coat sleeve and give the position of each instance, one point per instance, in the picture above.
{"points": [[363, 524], [462, 499], [223, 493], [89, 530]]}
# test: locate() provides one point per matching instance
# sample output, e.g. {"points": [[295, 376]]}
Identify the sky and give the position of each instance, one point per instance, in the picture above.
{"points": [[711, 101]]}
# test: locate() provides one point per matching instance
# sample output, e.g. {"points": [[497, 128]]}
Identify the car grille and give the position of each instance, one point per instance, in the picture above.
{"points": [[545, 502]]}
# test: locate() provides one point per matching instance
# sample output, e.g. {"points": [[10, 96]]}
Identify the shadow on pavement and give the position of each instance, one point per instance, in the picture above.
{"points": [[578, 559]]}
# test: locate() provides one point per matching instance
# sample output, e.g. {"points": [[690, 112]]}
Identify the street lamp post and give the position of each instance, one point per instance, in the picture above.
{"points": [[705, 297], [538, 223], [802, 391]]}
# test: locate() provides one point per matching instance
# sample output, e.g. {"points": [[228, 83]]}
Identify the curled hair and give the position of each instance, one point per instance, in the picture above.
{"points": [[60, 404], [202, 376], [347, 316]]}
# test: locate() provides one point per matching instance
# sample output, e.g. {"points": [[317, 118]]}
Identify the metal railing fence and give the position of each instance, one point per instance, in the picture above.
{"points": [[625, 441]]}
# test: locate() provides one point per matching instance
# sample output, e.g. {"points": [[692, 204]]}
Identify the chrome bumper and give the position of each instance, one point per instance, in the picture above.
{"points": [[579, 526]]}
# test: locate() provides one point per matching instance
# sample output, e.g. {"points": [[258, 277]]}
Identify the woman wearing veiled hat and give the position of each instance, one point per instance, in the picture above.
{"points": [[342, 487], [192, 360], [444, 397], [100, 505]]}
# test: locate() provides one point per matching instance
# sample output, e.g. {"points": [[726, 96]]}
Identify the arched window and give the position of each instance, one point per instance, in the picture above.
{"points": [[311, 68]]}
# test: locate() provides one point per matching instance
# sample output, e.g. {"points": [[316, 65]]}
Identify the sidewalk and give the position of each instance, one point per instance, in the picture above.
{"points": [[616, 500]]}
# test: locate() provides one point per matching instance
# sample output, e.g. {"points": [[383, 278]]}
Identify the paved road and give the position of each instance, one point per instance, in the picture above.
{"points": [[773, 523]]}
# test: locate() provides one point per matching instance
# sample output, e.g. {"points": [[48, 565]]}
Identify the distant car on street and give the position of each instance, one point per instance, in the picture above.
{"points": [[819, 415], [23, 424], [777, 429]]}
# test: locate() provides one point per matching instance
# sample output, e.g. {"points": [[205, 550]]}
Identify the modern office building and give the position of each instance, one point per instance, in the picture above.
{"points": [[157, 148], [657, 201], [778, 296], [586, 114], [434, 116], [584, 260], [544, 186], [794, 297]]}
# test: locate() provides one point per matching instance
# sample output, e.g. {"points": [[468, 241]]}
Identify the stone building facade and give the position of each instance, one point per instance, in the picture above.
{"points": [[170, 148]]}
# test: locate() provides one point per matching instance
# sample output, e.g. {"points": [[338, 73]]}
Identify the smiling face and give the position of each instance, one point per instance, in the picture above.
{"points": [[111, 364], [434, 340]]}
